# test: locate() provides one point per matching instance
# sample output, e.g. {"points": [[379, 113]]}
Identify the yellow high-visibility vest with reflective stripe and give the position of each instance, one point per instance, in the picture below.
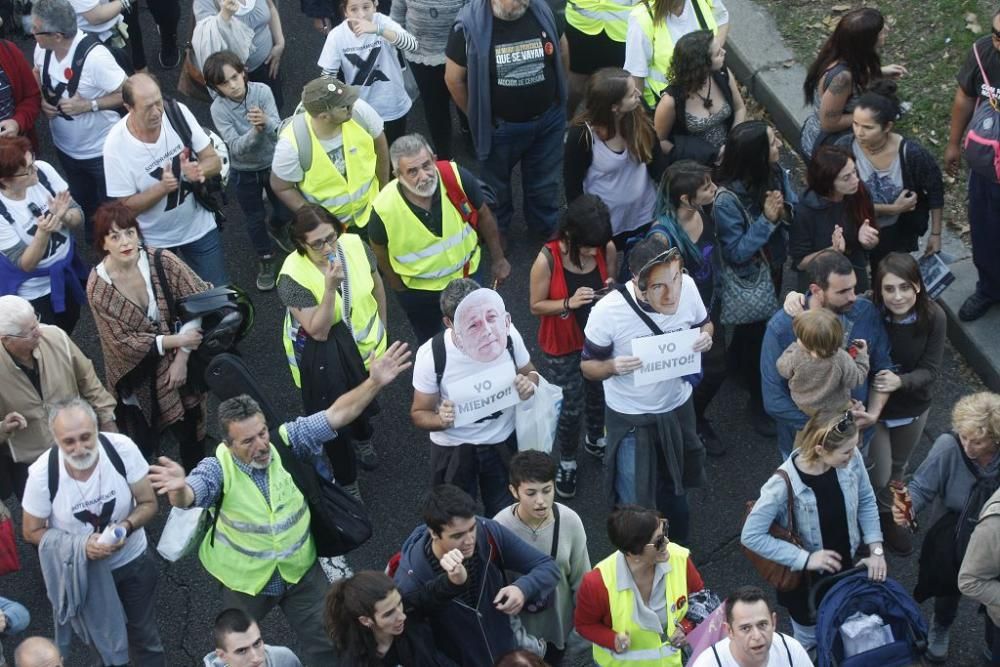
{"points": [[663, 47], [422, 260], [349, 199], [647, 648], [592, 17], [252, 537], [365, 323]]}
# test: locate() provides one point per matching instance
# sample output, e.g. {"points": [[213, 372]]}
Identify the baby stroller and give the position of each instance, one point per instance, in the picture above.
{"points": [[851, 591]]}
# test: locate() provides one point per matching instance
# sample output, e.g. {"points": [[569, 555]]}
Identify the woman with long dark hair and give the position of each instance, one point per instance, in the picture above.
{"points": [[901, 176], [610, 148], [372, 625], [835, 213], [702, 101], [847, 63], [751, 211]]}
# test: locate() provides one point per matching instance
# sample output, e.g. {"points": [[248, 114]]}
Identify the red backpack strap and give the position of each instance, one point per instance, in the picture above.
{"points": [[393, 565], [456, 195]]}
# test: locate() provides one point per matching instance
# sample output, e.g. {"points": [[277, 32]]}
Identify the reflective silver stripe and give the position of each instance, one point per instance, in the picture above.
{"points": [[263, 528], [441, 273], [359, 336], [342, 200], [646, 654], [606, 16], [658, 76], [264, 555], [435, 248]]}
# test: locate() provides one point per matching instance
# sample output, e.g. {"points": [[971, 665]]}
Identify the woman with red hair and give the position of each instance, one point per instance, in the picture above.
{"points": [[38, 260]]}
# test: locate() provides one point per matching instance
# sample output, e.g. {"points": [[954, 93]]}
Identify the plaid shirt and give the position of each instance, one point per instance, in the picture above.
{"points": [[306, 436]]}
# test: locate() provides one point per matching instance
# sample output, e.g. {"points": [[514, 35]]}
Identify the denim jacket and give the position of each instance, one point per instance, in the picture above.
{"points": [[859, 500], [740, 240]]}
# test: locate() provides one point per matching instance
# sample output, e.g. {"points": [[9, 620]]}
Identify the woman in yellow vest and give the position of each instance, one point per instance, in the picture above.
{"points": [[648, 631], [654, 26], [334, 326], [595, 34]]}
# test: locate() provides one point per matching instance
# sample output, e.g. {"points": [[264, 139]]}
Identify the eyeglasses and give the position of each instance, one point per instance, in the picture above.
{"points": [[29, 170], [661, 542], [31, 329], [330, 240], [43, 34]]}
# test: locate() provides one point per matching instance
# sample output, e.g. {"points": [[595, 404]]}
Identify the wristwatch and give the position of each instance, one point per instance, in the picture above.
{"points": [[878, 551], [93, 106]]}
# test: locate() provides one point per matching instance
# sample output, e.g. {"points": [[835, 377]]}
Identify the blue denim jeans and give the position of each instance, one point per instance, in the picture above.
{"points": [[17, 620], [85, 179], [538, 146], [205, 258], [249, 186], [675, 508], [984, 212]]}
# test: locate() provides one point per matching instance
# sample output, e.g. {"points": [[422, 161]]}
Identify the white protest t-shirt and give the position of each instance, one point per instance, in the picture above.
{"points": [[102, 30], [81, 508], [612, 322], [23, 229], [83, 137], [776, 657], [132, 166], [639, 49], [371, 63], [458, 366]]}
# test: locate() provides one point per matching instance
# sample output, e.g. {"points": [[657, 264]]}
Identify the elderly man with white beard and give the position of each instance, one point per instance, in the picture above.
{"points": [[428, 228]]}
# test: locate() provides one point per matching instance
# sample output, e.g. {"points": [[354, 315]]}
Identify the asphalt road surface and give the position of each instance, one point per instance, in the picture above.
{"points": [[188, 598]]}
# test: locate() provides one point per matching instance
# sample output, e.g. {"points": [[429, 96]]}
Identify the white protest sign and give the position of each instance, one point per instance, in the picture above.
{"points": [[481, 395], [666, 356]]}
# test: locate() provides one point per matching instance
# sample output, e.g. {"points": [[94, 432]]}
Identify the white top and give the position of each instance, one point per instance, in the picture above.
{"points": [[622, 183], [25, 225], [639, 50], [370, 62], [612, 322], [457, 367], [83, 137], [132, 166], [77, 504], [776, 657], [102, 30], [286, 157]]}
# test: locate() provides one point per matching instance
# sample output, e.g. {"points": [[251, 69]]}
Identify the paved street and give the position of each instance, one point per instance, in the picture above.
{"points": [[188, 598]]}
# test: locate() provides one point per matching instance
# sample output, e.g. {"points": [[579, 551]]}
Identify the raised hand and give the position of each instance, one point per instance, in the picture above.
{"points": [[393, 361]]}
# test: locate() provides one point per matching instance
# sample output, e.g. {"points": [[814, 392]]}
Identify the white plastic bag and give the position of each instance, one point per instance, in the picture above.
{"points": [[183, 532], [535, 419], [861, 633]]}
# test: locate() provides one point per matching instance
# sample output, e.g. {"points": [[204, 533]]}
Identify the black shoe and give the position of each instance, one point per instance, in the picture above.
{"points": [[975, 307], [565, 482], [763, 424], [594, 447], [366, 456], [709, 438], [170, 56]]}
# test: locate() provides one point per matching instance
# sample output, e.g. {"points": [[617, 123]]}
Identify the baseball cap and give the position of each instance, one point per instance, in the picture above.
{"points": [[325, 93]]}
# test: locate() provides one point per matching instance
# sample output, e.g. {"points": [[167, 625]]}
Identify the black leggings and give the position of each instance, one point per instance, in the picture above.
{"points": [[166, 14], [437, 106]]}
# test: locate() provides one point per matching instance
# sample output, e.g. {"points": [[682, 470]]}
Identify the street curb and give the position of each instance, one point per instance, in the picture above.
{"points": [[759, 59]]}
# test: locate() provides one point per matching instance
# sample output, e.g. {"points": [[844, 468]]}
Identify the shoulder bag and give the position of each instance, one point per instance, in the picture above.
{"points": [[749, 298], [781, 577]]}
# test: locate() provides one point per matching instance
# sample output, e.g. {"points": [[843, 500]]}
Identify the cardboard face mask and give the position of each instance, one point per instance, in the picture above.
{"points": [[481, 325]]}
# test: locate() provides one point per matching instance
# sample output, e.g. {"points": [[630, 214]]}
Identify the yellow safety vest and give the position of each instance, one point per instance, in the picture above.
{"points": [[367, 327], [591, 17], [422, 260], [253, 536], [349, 199], [663, 46], [647, 647]]}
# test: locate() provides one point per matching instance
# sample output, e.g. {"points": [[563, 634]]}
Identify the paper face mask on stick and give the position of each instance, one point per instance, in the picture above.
{"points": [[481, 325]]}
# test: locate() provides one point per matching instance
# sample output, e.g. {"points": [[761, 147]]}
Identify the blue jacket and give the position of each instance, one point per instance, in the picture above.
{"points": [[859, 501], [478, 637], [476, 21], [861, 321], [738, 241]]}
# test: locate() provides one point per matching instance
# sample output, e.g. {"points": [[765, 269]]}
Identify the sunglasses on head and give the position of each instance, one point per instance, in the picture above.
{"points": [[661, 542], [844, 423]]}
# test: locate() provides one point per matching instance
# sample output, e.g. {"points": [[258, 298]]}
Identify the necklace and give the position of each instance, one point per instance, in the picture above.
{"points": [[885, 144], [707, 98], [534, 529]]}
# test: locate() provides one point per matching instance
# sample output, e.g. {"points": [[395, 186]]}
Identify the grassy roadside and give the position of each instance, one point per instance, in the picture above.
{"points": [[930, 39]]}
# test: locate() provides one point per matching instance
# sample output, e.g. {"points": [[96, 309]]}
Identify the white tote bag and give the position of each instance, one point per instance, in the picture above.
{"points": [[536, 419], [183, 532]]}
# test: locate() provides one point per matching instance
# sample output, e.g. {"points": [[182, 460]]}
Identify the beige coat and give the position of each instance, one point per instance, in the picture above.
{"points": [[65, 373], [979, 577]]}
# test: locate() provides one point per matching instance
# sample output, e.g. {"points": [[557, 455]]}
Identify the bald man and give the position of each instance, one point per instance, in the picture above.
{"points": [[37, 652]]}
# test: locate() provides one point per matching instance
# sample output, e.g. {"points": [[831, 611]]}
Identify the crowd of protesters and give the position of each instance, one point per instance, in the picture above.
{"points": [[680, 224]]}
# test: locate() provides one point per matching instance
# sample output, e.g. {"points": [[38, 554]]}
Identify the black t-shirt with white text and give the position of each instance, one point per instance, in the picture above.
{"points": [[969, 77], [523, 81]]}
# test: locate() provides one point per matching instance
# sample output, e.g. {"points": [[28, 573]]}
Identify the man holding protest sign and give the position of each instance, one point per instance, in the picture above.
{"points": [[466, 382], [644, 341]]}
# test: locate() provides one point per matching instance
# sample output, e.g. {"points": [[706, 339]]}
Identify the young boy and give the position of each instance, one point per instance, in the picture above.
{"points": [[245, 115], [534, 518]]}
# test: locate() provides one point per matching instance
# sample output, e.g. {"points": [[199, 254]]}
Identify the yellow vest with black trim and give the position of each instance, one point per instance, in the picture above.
{"points": [[648, 647], [349, 199], [252, 536], [591, 17], [422, 260], [663, 47], [366, 326]]}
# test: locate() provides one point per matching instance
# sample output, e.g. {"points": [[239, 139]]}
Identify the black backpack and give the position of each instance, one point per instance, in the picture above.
{"points": [[53, 94], [211, 194]]}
